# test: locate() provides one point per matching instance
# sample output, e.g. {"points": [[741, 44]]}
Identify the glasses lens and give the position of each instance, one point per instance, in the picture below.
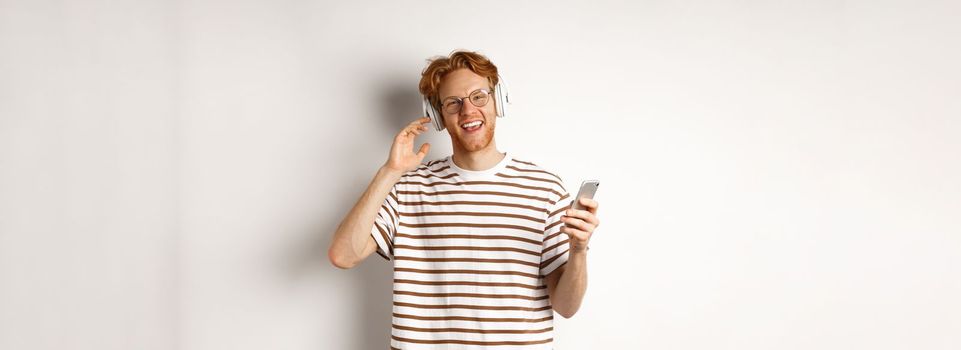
{"points": [[479, 98], [451, 106]]}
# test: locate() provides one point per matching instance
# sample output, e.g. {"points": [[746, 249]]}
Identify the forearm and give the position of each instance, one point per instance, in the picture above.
{"points": [[351, 237], [572, 285]]}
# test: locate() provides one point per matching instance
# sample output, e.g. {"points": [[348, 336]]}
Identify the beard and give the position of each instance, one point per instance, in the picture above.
{"points": [[474, 143]]}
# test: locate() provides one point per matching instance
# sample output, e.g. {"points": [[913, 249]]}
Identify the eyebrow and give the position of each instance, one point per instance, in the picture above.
{"points": [[483, 87]]}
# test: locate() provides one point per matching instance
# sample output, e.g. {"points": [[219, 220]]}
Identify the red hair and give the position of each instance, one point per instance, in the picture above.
{"points": [[440, 66]]}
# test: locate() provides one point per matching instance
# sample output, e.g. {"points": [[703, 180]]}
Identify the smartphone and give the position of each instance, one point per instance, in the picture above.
{"points": [[588, 188]]}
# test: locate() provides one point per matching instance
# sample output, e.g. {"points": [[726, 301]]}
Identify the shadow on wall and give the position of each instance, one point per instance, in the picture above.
{"points": [[371, 281], [401, 105], [399, 101]]}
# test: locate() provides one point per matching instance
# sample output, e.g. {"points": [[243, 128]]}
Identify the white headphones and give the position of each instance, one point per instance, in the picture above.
{"points": [[501, 100]]}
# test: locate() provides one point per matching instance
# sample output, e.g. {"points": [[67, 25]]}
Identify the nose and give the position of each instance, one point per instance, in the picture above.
{"points": [[468, 108]]}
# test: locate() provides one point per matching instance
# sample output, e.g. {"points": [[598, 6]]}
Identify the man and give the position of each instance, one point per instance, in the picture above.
{"points": [[485, 246]]}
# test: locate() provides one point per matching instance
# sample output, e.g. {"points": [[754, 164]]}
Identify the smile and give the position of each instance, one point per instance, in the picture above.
{"points": [[472, 126]]}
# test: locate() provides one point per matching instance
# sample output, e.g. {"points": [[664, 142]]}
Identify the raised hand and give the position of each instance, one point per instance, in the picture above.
{"points": [[402, 157]]}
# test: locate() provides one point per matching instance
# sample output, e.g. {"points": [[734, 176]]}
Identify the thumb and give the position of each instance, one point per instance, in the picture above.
{"points": [[423, 150]]}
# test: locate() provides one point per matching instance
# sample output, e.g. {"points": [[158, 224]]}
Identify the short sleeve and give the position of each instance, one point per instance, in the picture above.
{"points": [[385, 225], [555, 247]]}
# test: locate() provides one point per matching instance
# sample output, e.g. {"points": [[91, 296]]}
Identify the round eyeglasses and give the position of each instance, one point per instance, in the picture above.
{"points": [[478, 98]]}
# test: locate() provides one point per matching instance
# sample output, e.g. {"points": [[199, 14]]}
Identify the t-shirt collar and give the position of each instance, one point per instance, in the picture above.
{"points": [[476, 174]]}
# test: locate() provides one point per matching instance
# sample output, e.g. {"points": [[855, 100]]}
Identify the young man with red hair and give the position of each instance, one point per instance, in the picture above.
{"points": [[485, 246]]}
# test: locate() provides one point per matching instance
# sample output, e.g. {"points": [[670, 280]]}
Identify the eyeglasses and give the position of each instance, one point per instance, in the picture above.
{"points": [[478, 98]]}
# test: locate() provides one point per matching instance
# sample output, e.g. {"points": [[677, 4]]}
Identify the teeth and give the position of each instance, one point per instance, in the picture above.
{"points": [[471, 124]]}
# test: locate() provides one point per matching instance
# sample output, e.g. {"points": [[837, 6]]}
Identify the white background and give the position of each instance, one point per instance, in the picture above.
{"points": [[775, 175]]}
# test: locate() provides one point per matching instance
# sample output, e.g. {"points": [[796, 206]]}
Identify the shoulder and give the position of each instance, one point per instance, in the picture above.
{"points": [[432, 170], [524, 168]]}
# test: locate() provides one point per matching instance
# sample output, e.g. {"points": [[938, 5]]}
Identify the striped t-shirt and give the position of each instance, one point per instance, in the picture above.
{"points": [[470, 251]]}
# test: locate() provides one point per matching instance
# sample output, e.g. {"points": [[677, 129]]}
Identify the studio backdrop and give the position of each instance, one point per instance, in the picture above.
{"points": [[774, 175]]}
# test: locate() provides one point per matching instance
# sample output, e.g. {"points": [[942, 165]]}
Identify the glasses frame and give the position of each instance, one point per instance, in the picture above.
{"points": [[489, 92]]}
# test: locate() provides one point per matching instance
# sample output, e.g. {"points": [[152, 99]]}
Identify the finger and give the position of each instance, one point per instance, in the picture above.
{"points": [[578, 224], [583, 215], [578, 213], [574, 233], [423, 150], [417, 124], [413, 129], [420, 120], [407, 129], [589, 203]]}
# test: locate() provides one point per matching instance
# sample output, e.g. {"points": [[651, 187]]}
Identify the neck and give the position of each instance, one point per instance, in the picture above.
{"points": [[478, 160]]}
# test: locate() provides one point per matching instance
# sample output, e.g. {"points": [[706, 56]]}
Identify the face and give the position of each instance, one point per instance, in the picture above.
{"points": [[460, 83]]}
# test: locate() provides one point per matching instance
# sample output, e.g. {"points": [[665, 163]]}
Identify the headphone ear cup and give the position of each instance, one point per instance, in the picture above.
{"points": [[502, 96], [433, 115]]}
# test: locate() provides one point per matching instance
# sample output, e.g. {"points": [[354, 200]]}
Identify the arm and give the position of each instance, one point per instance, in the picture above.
{"points": [[567, 284], [352, 242]]}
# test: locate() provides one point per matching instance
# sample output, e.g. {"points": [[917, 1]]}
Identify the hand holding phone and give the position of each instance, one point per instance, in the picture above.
{"points": [[587, 190]]}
